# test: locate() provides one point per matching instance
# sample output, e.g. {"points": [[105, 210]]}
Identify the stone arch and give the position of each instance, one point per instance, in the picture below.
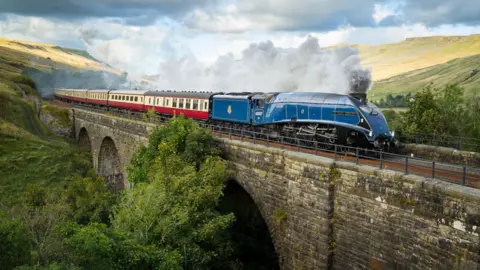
{"points": [[109, 166], [251, 215], [83, 138]]}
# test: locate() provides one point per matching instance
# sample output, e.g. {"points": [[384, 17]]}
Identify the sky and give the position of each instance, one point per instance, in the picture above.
{"points": [[144, 36]]}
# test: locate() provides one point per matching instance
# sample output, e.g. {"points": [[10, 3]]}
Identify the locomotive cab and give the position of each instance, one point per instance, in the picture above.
{"points": [[258, 109]]}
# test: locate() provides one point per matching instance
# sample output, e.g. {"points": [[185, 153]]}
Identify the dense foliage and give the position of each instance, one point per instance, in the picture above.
{"points": [[443, 112], [398, 101], [168, 220]]}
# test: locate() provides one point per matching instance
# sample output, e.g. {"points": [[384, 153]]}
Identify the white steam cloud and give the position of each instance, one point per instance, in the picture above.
{"points": [[266, 68]]}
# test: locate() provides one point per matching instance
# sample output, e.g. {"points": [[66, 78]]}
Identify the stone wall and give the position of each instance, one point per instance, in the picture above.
{"points": [[441, 154], [343, 216], [293, 196], [127, 136], [385, 220]]}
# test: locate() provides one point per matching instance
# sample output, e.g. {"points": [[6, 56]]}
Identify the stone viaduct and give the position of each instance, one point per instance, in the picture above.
{"points": [[323, 214]]}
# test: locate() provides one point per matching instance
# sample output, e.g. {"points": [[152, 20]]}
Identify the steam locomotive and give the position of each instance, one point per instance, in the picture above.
{"points": [[334, 118]]}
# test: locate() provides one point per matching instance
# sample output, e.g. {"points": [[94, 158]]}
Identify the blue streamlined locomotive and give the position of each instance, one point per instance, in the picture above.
{"points": [[344, 119], [341, 119]]}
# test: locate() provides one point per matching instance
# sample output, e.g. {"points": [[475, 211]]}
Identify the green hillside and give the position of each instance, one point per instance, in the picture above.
{"points": [[463, 71], [29, 153]]}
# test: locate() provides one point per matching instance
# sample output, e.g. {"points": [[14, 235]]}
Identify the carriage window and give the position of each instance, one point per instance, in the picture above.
{"points": [[195, 104], [180, 102], [158, 101], [123, 97], [174, 103], [187, 103], [168, 101], [149, 100], [131, 98], [164, 102], [201, 105], [136, 99], [206, 107], [141, 99]]}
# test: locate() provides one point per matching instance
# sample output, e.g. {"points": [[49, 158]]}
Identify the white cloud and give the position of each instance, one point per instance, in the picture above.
{"points": [[381, 12], [38, 30], [142, 49]]}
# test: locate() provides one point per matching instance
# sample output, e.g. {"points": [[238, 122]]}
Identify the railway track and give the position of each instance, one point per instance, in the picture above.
{"points": [[461, 175]]}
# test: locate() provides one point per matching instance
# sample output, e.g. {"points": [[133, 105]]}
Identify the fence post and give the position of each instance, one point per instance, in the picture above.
{"points": [[406, 164], [335, 156], [433, 169], [381, 160], [464, 175], [356, 154]]}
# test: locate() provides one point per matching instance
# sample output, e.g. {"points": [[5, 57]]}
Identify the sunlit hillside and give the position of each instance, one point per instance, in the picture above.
{"points": [[388, 60], [21, 54], [462, 71]]}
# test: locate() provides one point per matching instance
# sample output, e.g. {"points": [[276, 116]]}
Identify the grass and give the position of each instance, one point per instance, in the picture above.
{"points": [[45, 57], [60, 114], [464, 71], [26, 159], [77, 52], [29, 153], [388, 60]]}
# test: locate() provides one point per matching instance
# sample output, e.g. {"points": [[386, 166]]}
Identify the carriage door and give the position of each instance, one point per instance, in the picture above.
{"points": [[259, 111]]}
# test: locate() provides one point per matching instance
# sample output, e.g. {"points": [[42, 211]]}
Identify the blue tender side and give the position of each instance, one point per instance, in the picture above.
{"points": [[231, 108]]}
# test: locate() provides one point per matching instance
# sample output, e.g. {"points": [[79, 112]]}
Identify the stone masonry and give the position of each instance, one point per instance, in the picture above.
{"points": [[119, 138], [324, 214], [442, 154]]}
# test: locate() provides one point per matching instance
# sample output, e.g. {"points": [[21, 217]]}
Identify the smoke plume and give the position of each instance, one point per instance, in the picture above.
{"points": [[266, 68]]}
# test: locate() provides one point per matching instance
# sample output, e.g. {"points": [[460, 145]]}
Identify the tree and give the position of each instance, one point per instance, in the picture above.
{"points": [[423, 113], [89, 198], [192, 143], [14, 242], [172, 206]]}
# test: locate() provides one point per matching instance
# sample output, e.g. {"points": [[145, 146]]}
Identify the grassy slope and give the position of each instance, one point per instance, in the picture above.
{"points": [[388, 60], [459, 71], [45, 57], [29, 153]]}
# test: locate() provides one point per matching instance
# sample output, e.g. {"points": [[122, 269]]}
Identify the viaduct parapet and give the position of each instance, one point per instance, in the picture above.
{"points": [[324, 214]]}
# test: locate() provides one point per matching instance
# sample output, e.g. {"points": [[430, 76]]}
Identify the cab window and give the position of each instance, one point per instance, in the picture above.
{"points": [[260, 103]]}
